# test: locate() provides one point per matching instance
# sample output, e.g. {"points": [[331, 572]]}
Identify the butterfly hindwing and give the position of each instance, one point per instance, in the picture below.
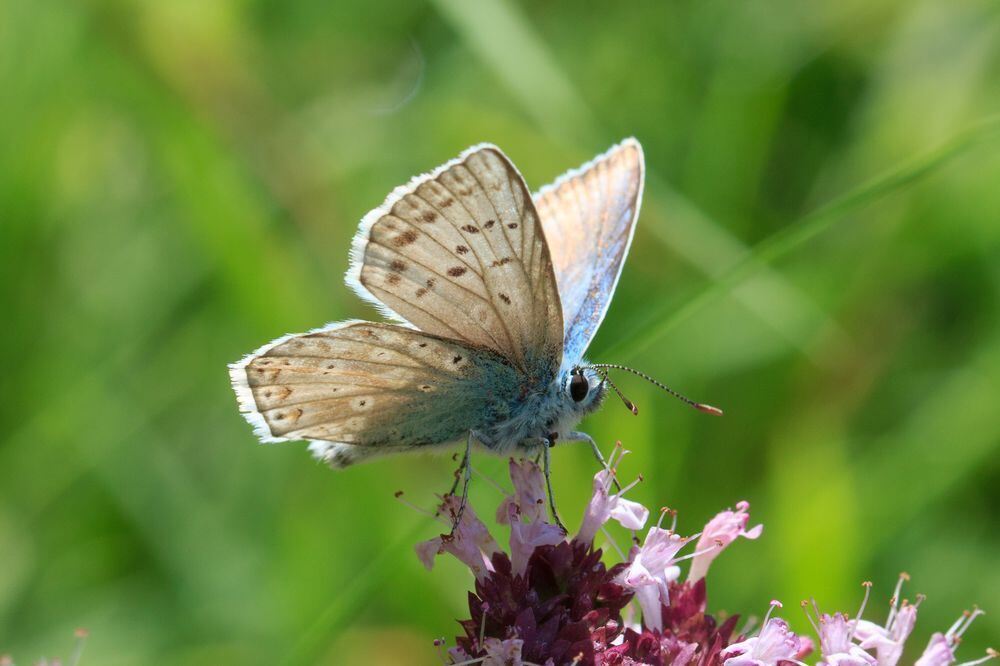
{"points": [[361, 388], [589, 217], [460, 253]]}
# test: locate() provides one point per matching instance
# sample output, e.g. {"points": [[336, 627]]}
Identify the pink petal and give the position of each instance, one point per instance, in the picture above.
{"points": [[428, 550], [508, 505], [630, 515], [603, 506], [938, 653], [471, 542], [721, 531], [503, 653], [526, 537], [529, 489]]}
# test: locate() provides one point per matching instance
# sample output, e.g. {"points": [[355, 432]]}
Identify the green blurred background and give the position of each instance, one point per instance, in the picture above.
{"points": [[179, 183]]}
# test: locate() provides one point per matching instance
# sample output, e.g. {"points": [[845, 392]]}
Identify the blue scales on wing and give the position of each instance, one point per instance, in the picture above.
{"points": [[589, 216]]}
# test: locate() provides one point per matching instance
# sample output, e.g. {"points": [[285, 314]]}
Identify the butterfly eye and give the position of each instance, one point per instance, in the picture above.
{"points": [[578, 387]]}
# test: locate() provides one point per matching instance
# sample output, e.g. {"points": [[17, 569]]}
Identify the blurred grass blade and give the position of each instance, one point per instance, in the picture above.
{"points": [[813, 224], [497, 32], [953, 431], [805, 229], [501, 36], [355, 594]]}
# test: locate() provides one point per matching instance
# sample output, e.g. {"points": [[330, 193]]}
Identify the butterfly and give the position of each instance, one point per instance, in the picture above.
{"points": [[495, 296]]}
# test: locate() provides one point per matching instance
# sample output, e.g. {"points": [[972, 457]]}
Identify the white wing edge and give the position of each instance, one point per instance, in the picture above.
{"points": [[360, 241], [583, 168], [244, 396]]}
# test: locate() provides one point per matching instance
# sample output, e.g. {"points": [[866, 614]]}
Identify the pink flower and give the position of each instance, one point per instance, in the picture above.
{"points": [[503, 653], [650, 571], [888, 640], [525, 512], [654, 566], [470, 542], [775, 642], [836, 642], [941, 649], [526, 537], [604, 506], [939, 652], [498, 653], [555, 600], [719, 533], [836, 636]]}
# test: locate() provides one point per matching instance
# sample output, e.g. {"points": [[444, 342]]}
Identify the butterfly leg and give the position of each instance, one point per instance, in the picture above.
{"points": [[577, 436], [459, 473], [464, 472], [546, 448]]}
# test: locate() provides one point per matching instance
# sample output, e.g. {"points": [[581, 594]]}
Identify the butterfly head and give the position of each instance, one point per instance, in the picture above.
{"points": [[585, 389]]}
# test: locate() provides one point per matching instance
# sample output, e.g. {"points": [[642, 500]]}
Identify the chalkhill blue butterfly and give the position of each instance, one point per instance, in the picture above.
{"points": [[496, 295]]}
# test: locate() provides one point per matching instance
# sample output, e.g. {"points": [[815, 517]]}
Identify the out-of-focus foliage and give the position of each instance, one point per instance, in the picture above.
{"points": [[179, 183]]}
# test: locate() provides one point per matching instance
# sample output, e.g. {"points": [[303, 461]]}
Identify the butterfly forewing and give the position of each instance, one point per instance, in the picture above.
{"points": [[460, 253], [371, 385], [589, 217]]}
